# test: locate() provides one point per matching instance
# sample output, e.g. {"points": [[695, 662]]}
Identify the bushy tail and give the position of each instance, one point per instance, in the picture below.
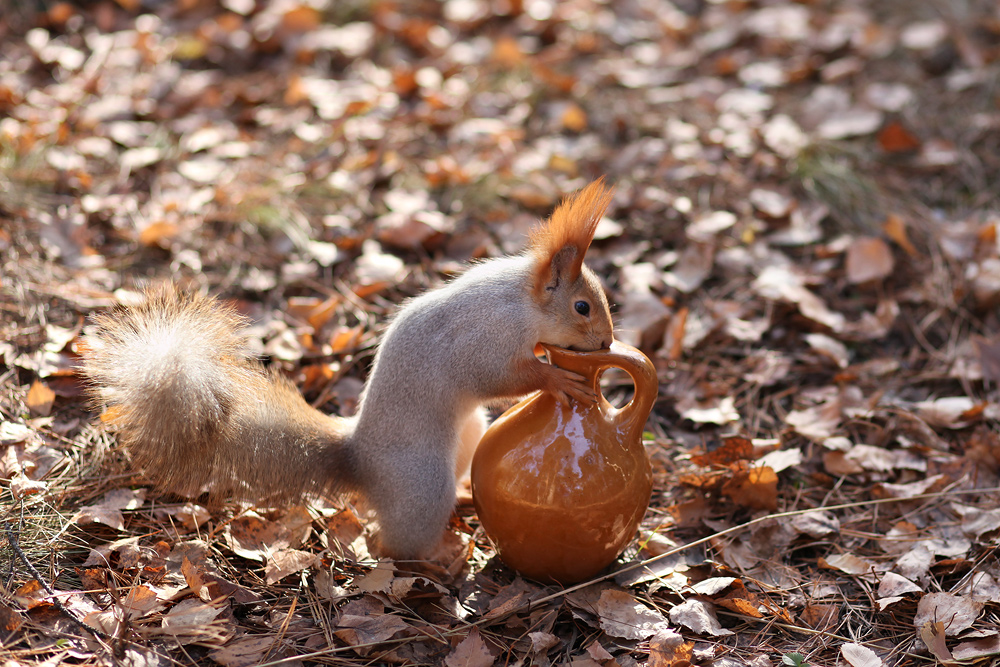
{"points": [[196, 411]]}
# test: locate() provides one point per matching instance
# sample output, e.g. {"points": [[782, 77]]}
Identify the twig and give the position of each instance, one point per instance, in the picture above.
{"points": [[12, 539]]}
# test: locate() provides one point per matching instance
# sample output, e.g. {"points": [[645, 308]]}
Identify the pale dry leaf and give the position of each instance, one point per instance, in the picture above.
{"points": [[915, 563], [879, 459], [911, 489], [284, 562], [707, 227], [771, 204], [376, 266], [857, 655], [372, 629], [783, 136], [713, 585], [885, 603], [956, 612], [849, 563], [816, 524], [189, 617], [830, 348], [378, 579], [948, 412], [983, 587], [470, 652], [977, 649], [541, 642], [109, 510], [851, 123], [327, 587], [244, 652], [598, 652], [818, 422], [21, 486], [712, 411], [693, 267], [698, 616], [895, 585], [624, 616], [12, 433], [780, 283], [781, 459]]}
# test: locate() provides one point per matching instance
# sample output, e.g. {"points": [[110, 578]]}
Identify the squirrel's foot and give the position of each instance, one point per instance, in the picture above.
{"points": [[564, 385]]}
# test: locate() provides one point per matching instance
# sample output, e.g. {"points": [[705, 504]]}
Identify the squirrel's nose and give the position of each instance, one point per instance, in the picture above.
{"points": [[606, 343]]}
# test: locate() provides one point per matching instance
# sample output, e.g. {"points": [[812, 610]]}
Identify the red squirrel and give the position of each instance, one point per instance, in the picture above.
{"points": [[195, 410]]}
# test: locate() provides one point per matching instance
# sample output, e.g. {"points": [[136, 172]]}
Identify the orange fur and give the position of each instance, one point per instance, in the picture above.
{"points": [[572, 224]]}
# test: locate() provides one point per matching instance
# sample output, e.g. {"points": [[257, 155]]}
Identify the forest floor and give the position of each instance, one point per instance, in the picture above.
{"points": [[803, 238]]}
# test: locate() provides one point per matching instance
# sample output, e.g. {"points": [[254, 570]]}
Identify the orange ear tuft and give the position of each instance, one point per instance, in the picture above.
{"points": [[572, 225]]}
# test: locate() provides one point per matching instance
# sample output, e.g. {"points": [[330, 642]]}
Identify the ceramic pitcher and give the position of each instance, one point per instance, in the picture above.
{"points": [[560, 489]]}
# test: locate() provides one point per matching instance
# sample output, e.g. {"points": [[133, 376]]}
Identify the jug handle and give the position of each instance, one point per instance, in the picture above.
{"points": [[633, 416]]}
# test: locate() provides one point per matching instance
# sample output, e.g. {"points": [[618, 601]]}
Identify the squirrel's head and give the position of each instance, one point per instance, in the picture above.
{"points": [[570, 296]]}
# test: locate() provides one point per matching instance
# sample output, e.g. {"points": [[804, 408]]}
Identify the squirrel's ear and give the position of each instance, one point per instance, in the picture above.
{"points": [[562, 267], [560, 243]]}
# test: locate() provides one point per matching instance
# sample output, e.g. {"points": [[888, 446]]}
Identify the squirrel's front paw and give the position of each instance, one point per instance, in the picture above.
{"points": [[565, 384]]}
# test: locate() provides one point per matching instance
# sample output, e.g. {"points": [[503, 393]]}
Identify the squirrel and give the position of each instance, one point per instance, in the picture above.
{"points": [[195, 409]]}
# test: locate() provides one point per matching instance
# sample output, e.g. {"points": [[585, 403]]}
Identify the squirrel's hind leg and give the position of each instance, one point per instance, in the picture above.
{"points": [[413, 503]]}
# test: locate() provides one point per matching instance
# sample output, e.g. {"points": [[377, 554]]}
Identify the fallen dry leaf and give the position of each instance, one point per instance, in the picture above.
{"points": [[857, 655], [470, 652], [955, 612], [932, 634], [40, 398], [698, 616], [623, 616], [869, 259]]}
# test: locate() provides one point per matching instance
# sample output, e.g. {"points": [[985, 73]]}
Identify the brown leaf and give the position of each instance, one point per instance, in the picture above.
{"points": [[372, 629], [895, 228], [932, 634], [756, 488], [574, 118], [895, 138], [733, 449], [667, 648], [507, 52], [158, 234], [955, 612], [470, 652], [868, 259], [40, 399], [301, 19], [10, 620]]}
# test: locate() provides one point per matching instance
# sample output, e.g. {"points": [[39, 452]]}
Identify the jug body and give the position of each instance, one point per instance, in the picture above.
{"points": [[560, 489]]}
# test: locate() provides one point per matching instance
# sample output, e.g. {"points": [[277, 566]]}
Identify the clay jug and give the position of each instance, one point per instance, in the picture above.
{"points": [[560, 489]]}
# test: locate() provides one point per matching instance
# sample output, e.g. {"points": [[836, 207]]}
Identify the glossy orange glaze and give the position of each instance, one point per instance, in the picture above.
{"points": [[560, 490]]}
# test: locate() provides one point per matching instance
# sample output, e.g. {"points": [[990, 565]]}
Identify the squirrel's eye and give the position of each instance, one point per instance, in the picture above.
{"points": [[582, 307]]}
